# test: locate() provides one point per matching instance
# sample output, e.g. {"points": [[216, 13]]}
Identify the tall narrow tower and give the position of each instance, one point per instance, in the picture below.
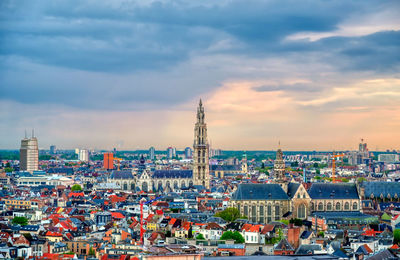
{"points": [[279, 166], [201, 170], [29, 154]]}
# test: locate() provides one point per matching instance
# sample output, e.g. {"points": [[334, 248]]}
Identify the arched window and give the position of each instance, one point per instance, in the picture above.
{"points": [[132, 186], [338, 207], [277, 212], [320, 206], [355, 206], [301, 211], [346, 206], [329, 206], [125, 186]]}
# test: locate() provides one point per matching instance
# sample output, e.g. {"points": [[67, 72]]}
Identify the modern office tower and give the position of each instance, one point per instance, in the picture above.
{"points": [[170, 153], [201, 169], [188, 153], [152, 153], [84, 155], [53, 149], [108, 161], [29, 154]]}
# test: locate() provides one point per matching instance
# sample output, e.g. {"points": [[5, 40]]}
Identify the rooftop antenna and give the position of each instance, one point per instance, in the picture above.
{"points": [[33, 132], [26, 135]]}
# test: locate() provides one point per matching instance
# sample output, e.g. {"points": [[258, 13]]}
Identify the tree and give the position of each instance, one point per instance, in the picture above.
{"points": [[91, 251], [229, 235], [296, 222], [23, 221], [76, 187], [361, 179], [200, 237], [396, 235], [229, 214]]}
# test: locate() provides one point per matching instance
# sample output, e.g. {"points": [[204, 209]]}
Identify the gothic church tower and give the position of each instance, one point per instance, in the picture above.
{"points": [[279, 170], [201, 169]]}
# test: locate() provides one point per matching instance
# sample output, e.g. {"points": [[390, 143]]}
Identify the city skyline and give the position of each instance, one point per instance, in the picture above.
{"points": [[125, 74]]}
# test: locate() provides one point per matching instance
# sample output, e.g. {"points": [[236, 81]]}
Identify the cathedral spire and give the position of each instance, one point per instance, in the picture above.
{"points": [[200, 155], [200, 113]]}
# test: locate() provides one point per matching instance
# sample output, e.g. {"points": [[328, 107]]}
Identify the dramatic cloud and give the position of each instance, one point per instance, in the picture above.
{"points": [[261, 67]]}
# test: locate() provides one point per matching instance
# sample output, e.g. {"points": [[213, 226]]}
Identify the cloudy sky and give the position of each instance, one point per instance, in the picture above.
{"points": [[129, 74]]}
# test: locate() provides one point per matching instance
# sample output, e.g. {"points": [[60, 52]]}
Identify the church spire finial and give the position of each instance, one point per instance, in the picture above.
{"points": [[200, 103]]}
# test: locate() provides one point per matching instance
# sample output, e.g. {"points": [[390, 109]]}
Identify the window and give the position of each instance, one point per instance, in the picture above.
{"points": [[254, 213], [245, 211], [329, 206], [277, 212], [346, 206], [301, 211], [261, 210], [320, 206], [269, 210], [338, 207], [355, 206]]}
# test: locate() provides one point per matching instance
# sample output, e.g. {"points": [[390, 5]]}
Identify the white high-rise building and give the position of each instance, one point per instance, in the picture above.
{"points": [[388, 158], [84, 155], [29, 154]]}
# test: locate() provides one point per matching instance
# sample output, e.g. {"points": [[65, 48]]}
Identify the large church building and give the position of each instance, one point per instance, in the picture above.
{"points": [[171, 180], [263, 203]]}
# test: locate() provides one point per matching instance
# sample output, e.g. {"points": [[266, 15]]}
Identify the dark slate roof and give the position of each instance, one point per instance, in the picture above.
{"points": [[306, 234], [284, 245], [124, 174], [292, 188], [340, 253], [307, 249], [259, 192], [162, 174], [226, 168], [68, 171], [333, 191], [380, 187]]}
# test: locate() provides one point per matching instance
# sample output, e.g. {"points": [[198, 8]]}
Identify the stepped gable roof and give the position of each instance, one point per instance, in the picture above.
{"points": [[377, 188], [333, 191], [292, 189], [259, 192], [123, 174], [166, 174]]}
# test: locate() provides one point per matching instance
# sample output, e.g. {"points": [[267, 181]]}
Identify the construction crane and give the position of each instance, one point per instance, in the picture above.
{"points": [[143, 202], [334, 156], [118, 160]]}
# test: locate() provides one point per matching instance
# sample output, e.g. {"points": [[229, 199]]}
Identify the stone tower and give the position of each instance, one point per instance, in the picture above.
{"points": [[279, 170], [201, 171]]}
